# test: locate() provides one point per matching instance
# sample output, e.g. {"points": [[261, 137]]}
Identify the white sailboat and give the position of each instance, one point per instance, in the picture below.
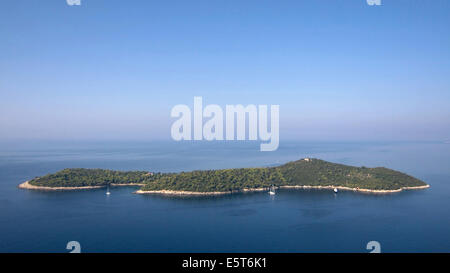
{"points": [[272, 190], [335, 190], [107, 190]]}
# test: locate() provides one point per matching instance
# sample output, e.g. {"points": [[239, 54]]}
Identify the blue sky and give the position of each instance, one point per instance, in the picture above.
{"points": [[340, 70]]}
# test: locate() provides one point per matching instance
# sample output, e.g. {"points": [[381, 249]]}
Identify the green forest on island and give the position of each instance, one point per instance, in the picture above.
{"points": [[309, 172]]}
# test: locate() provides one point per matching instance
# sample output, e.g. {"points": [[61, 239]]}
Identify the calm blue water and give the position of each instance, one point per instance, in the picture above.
{"points": [[292, 221]]}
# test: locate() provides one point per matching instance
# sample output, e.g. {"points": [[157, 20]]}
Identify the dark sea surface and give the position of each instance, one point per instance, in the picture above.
{"points": [[291, 221]]}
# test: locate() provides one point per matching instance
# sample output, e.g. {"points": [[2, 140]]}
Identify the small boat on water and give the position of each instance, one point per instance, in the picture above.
{"points": [[107, 191], [335, 190], [272, 190]]}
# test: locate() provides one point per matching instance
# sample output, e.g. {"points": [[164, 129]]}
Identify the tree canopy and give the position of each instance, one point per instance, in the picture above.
{"points": [[304, 172]]}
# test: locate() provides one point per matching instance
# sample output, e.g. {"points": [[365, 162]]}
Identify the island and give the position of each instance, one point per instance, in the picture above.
{"points": [[306, 173]]}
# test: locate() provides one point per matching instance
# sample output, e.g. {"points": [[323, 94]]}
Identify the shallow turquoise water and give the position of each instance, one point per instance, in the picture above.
{"points": [[292, 221]]}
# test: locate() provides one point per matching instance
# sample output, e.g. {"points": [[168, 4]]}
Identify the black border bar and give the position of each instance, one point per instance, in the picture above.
{"points": [[226, 262]]}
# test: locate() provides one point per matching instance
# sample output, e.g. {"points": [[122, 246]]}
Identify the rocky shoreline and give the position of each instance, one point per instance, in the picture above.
{"points": [[355, 189], [193, 193], [28, 186]]}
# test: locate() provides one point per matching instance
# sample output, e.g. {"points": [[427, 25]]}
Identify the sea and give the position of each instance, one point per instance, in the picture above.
{"points": [[290, 221]]}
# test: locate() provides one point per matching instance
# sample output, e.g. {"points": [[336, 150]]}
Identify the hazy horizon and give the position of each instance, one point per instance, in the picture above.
{"points": [[112, 70]]}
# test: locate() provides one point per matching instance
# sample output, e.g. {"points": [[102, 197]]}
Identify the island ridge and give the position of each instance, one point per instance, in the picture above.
{"points": [[301, 174]]}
